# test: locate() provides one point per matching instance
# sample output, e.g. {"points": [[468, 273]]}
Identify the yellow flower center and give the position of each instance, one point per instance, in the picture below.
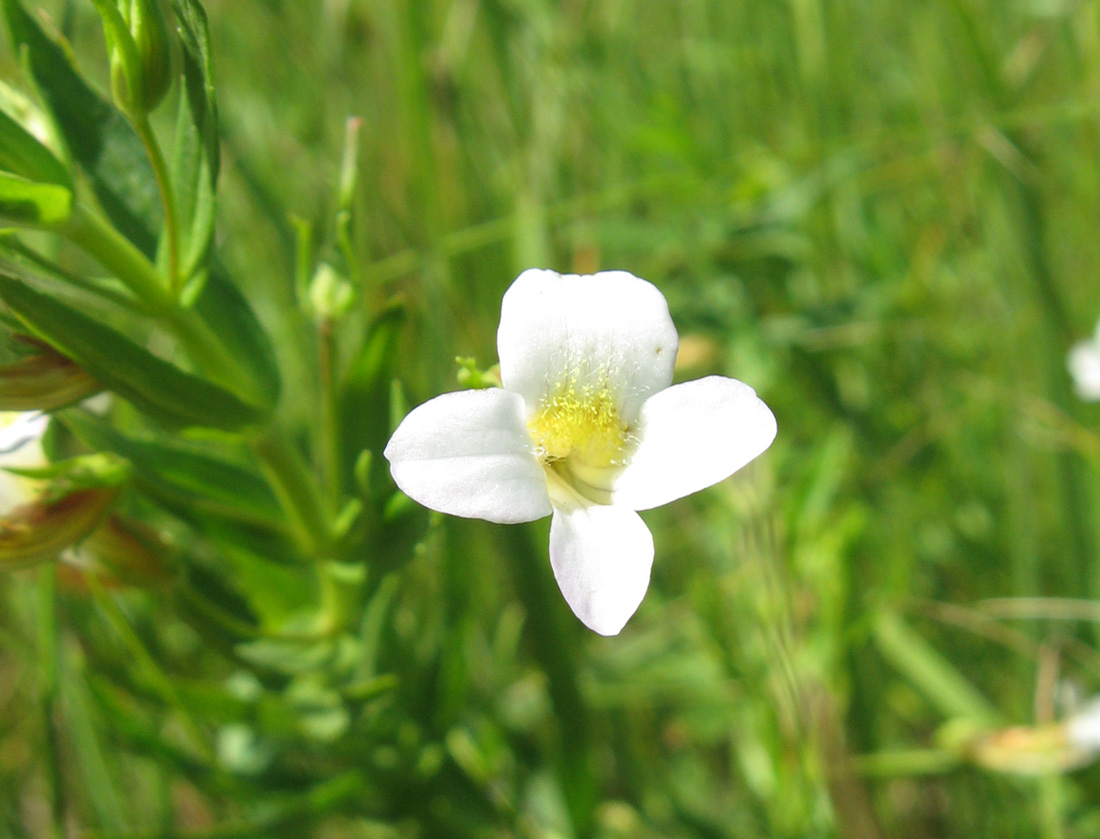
{"points": [[580, 420]]}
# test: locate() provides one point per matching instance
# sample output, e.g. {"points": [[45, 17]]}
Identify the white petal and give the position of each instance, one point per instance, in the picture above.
{"points": [[610, 327], [468, 454], [1083, 728], [601, 558], [1084, 366], [693, 435], [20, 447]]}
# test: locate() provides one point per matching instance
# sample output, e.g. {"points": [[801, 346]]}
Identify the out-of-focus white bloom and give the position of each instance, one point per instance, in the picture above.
{"points": [[1083, 728], [586, 428], [20, 446], [1084, 365]]}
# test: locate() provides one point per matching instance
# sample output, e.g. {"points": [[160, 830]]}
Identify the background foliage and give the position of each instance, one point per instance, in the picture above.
{"points": [[881, 215]]}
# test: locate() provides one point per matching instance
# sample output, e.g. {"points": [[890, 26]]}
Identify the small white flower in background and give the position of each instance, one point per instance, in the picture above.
{"points": [[586, 428], [1084, 366], [21, 447], [1083, 727]]}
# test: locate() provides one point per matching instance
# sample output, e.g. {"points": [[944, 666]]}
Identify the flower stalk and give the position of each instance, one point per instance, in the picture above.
{"points": [[167, 199], [296, 490], [116, 253]]}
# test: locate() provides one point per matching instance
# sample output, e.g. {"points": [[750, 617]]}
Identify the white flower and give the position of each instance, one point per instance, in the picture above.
{"points": [[1083, 728], [1084, 365], [21, 447], [586, 428]]}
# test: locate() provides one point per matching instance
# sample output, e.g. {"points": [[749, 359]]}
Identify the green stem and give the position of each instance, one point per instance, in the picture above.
{"points": [[343, 586], [167, 198], [116, 253], [556, 643], [296, 489], [330, 429], [19, 251], [47, 651], [907, 763]]}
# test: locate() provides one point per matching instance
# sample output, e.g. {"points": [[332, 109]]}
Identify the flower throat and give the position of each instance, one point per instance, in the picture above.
{"points": [[581, 421]]}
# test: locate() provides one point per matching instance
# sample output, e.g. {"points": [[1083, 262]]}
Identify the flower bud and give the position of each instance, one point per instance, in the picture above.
{"points": [[77, 495], [120, 553], [44, 381], [150, 31], [140, 53], [330, 295], [39, 532]]}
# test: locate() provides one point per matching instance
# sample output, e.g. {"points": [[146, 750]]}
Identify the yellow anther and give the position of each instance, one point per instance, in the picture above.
{"points": [[582, 421]]}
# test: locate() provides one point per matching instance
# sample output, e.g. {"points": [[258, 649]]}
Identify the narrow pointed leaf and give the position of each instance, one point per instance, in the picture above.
{"points": [[366, 393], [152, 384], [98, 136], [228, 313], [22, 154], [183, 475], [24, 202], [197, 152]]}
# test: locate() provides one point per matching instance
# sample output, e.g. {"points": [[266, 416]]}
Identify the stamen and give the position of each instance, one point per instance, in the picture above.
{"points": [[580, 419]]}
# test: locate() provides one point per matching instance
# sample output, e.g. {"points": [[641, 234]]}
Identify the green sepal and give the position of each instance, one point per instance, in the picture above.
{"points": [[127, 75], [145, 18], [101, 470], [152, 384], [473, 377]]}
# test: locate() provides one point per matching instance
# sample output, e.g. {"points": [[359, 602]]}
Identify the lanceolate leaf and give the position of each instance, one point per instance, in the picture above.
{"points": [[197, 152], [199, 75], [155, 386], [22, 154], [231, 318], [366, 391], [24, 202], [98, 136], [179, 474]]}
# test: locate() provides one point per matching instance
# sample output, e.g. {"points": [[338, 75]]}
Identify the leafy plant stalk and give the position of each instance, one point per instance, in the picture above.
{"points": [[167, 197], [116, 253]]}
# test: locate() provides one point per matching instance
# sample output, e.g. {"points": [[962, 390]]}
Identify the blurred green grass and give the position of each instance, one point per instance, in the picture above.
{"points": [[883, 216]]}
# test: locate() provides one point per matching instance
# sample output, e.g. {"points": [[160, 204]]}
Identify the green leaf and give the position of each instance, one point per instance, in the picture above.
{"points": [[199, 75], [153, 385], [98, 136], [25, 202], [22, 154], [229, 315], [183, 475], [366, 392], [196, 161]]}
